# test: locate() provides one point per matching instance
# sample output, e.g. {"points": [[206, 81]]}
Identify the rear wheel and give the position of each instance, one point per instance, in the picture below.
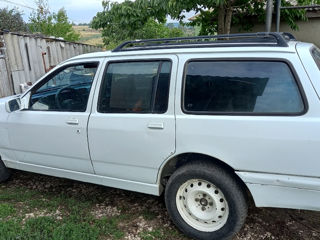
{"points": [[5, 173], [206, 201]]}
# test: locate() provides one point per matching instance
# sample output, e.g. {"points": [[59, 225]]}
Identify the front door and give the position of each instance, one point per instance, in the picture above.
{"points": [[132, 125], [52, 132]]}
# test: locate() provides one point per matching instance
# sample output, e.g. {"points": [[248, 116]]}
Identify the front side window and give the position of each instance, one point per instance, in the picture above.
{"points": [[316, 56], [66, 90], [260, 87], [135, 87]]}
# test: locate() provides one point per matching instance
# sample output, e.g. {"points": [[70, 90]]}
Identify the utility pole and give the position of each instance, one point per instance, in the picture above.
{"points": [[269, 15], [278, 8]]}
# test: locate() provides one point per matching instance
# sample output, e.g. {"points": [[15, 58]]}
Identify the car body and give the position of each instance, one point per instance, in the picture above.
{"points": [[273, 149]]}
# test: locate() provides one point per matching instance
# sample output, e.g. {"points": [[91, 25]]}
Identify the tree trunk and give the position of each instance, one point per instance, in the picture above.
{"points": [[228, 19], [221, 19]]}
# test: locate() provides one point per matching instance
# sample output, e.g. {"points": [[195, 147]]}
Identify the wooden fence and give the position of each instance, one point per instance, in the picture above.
{"points": [[26, 58]]}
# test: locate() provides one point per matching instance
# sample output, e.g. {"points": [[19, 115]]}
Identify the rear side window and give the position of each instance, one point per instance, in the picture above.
{"points": [[316, 56], [259, 87], [135, 87]]}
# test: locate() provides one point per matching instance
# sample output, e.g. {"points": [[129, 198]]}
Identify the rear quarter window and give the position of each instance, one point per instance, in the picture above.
{"points": [[315, 52], [241, 87]]}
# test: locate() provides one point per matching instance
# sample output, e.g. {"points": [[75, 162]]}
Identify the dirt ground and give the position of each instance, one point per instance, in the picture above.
{"points": [[149, 213]]}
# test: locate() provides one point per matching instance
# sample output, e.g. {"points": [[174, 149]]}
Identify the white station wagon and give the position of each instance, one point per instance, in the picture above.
{"points": [[205, 120]]}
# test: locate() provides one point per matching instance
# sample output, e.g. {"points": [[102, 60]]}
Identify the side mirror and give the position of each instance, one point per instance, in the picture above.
{"points": [[13, 105], [16, 104]]}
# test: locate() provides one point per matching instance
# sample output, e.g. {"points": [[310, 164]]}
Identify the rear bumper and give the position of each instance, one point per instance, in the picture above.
{"points": [[283, 191]]}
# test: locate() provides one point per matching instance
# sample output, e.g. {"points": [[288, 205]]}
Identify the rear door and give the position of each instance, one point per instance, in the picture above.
{"points": [[132, 125]]}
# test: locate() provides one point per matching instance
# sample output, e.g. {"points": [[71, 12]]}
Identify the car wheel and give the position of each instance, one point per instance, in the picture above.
{"points": [[206, 201], [5, 173]]}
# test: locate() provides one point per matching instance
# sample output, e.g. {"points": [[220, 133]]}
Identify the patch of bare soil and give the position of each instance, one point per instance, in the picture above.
{"points": [[262, 223]]}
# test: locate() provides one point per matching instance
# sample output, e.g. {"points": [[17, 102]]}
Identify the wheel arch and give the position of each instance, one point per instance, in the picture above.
{"points": [[179, 160]]}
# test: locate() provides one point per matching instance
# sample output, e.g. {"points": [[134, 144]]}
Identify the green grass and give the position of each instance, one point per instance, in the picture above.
{"points": [[6, 210], [73, 211], [16, 194], [148, 215], [109, 227], [75, 222], [48, 228], [159, 234], [70, 228]]}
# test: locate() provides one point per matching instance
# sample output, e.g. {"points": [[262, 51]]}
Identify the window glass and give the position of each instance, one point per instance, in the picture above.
{"points": [[241, 87], [135, 87], [66, 90], [162, 95], [316, 56]]}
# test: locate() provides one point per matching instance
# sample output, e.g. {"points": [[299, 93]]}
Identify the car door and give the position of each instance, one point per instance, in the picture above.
{"points": [[52, 131], [132, 125]]}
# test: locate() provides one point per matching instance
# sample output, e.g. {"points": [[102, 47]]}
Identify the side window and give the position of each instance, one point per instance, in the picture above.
{"points": [[65, 90], [135, 87], [316, 56], [261, 87]]}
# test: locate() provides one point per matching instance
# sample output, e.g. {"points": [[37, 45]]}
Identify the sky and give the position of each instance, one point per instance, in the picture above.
{"points": [[78, 11]]}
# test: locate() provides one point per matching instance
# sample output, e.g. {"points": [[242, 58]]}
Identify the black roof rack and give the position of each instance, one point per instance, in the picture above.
{"points": [[273, 39], [289, 36]]}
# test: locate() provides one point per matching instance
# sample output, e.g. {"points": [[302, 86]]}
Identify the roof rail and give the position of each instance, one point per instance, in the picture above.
{"points": [[289, 36], [273, 39]]}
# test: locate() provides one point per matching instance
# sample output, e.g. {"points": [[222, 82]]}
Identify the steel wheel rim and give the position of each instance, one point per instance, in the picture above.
{"points": [[202, 205]]}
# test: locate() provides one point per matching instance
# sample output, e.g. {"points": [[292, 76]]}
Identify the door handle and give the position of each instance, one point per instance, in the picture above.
{"points": [[73, 121], [156, 125]]}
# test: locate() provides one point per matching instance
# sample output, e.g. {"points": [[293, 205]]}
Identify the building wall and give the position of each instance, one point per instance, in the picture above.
{"points": [[26, 58], [309, 31]]}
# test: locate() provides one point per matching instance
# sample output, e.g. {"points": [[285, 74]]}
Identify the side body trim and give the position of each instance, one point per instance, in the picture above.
{"points": [[152, 189]]}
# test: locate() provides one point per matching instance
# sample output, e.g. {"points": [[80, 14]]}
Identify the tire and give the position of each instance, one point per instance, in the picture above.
{"points": [[205, 201], [5, 173]]}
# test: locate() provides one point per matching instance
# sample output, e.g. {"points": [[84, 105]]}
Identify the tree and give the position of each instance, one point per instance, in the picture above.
{"points": [[52, 24], [214, 16], [132, 20], [11, 20], [217, 16]]}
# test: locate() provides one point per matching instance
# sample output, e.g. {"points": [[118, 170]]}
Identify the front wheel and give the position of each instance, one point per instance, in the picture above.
{"points": [[206, 201]]}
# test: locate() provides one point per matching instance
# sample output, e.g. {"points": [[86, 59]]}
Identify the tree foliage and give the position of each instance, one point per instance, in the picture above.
{"points": [[11, 20], [52, 24], [217, 16], [132, 20], [125, 20]]}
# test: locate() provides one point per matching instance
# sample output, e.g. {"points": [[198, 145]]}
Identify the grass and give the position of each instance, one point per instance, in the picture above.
{"points": [[27, 214], [48, 228], [72, 227], [148, 215], [36, 207], [159, 233], [6, 210]]}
